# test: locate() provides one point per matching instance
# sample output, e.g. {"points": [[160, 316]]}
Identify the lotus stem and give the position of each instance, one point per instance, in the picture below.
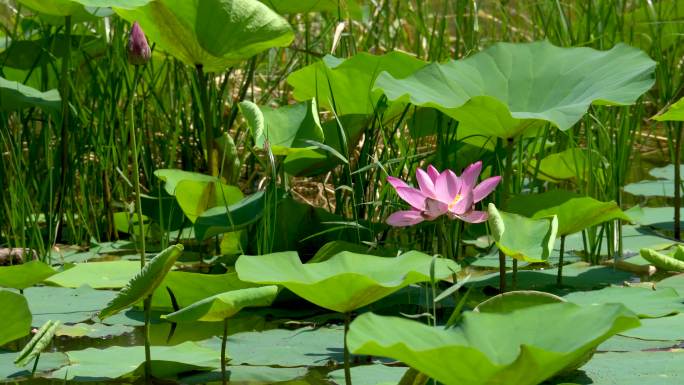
{"points": [[35, 365], [207, 120], [347, 370], [224, 378], [148, 350], [559, 278], [64, 129], [514, 281], [677, 181], [502, 272], [147, 304]]}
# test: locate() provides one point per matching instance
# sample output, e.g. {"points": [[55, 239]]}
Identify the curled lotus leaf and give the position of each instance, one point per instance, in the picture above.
{"points": [[518, 348], [224, 305], [346, 281]]}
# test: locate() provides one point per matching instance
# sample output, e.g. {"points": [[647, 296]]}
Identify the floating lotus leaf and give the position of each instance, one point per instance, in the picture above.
{"points": [[662, 261], [38, 342], [659, 329], [676, 282], [525, 239], [517, 348], [674, 113], [286, 128], [96, 365], [221, 306], [144, 284], [507, 88], [345, 282], [646, 303], [213, 33], [25, 275], [15, 96], [575, 212], [348, 83], [65, 305], [48, 362], [98, 275], [15, 317], [516, 300], [633, 368]]}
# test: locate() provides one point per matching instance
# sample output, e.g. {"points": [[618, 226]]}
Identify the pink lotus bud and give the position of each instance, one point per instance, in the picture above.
{"points": [[139, 52]]}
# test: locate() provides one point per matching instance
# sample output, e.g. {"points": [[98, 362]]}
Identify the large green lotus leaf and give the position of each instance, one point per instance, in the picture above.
{"points": [[195, 197], [25, 275], [517, 348], [516, 300], [15, 96], [572, 163], [308, 346], [286, 128], [633, 368], [348, 83], [307, 6], [47, 363], [15, 317], [189, 288], [675, 282], [575, 212], [222, 219], [674, 113], [525, 239], [224, 305], [346, 281], [55, 7], [620, 343], [98, 275], [64, 304], [507, 88], [660, 329], [657, 217], [376, 374], [646, 303], [172, 176], [116, 362], [95, 330], [252, 375], [651, 188], [579, 275], [145, 282], [213, 33]]}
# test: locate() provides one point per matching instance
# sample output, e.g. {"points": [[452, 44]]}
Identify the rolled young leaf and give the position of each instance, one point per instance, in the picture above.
{"points": [[36, 345], [144, 284]]}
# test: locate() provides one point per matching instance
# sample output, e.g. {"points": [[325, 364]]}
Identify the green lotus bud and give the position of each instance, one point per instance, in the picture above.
{"points": [[139, 52]]}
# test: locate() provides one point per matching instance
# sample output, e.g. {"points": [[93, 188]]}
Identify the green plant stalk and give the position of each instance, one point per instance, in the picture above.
{"points": [[347, 370], [64, 133], [559, 277], [677, 181], [224, 341], [147, 304], [35, 365], [507, 192], [207, 120], [502, 272]]}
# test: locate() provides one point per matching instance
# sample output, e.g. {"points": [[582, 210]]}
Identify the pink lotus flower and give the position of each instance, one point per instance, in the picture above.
{"points": [[442, 193]]}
